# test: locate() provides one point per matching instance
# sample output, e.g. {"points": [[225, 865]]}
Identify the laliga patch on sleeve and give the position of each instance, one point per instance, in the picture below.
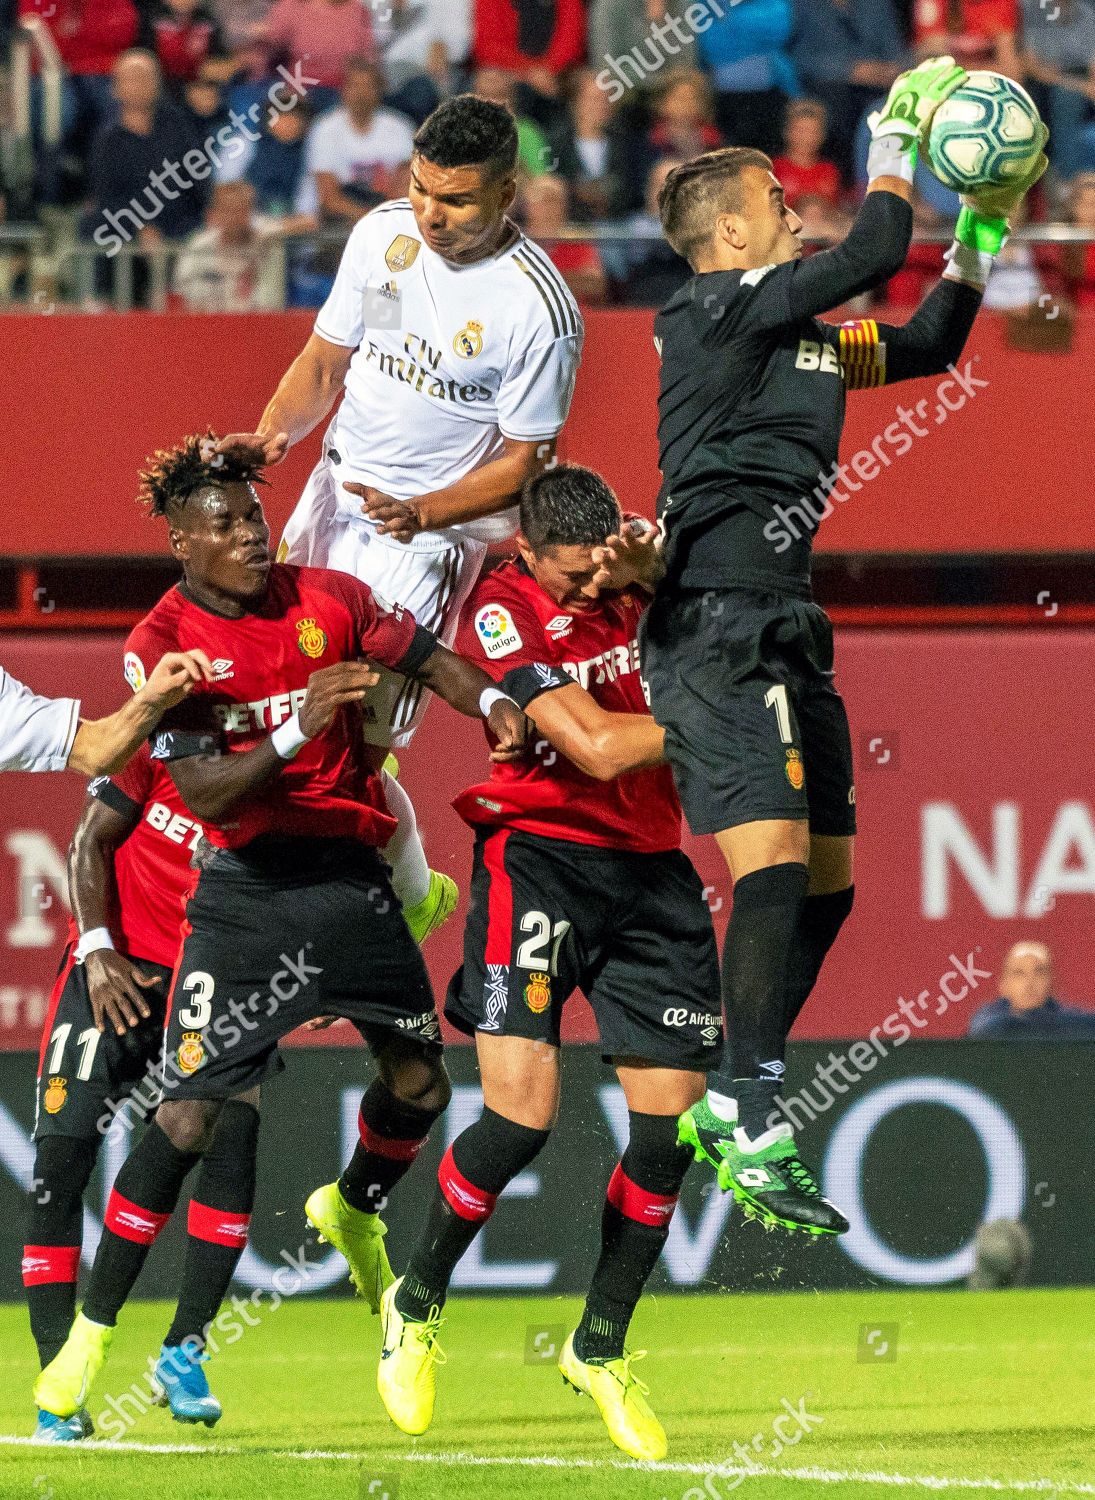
{"points": [[497, 633], [133, 667]]}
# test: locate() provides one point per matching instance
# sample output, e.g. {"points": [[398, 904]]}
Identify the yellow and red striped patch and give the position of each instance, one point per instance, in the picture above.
{"points": [[862, 355]]}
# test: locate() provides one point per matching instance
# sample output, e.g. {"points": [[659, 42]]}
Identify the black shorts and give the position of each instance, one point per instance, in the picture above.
{"points": [[742, 683], [631, 931], [276, 934], [82, 1069]]}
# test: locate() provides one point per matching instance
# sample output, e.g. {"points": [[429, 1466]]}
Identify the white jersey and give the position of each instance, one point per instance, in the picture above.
{"points": [[449, 359], [36, 734]]}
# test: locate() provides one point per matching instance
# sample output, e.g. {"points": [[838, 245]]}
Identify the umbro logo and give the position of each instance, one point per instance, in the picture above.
{"points": [[560, 626], [222, 669], [161, 750], [134, 1221], [234, 1231]]}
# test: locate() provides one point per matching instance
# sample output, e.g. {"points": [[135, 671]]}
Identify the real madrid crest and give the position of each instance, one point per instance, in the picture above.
{"points": [[55, 1096], [191, 1053], [469, 341], [311, 639], [538, 993], [402, 253]]}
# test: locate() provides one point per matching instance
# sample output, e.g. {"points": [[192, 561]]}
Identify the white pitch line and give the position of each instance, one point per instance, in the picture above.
{"points": [[813, 1475]]}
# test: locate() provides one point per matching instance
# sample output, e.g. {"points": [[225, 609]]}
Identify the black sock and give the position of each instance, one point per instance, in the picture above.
{"points": [[141, 1201], [762, 930], [392, 1134], [217, 1221], [54, 1233], [475, 1169], [822, 919], [642, 1194]]}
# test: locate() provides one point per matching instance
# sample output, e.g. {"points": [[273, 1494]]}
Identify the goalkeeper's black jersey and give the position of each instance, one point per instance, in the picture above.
{"points": [[752, 397]]}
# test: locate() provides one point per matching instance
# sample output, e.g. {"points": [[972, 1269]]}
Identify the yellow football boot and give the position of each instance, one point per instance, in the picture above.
{"points": [[621, 1399], [356, 1235]]}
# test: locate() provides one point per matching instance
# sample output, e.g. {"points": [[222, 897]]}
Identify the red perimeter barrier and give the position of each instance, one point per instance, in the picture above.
{"points": [[85, 399], [974, 800]]}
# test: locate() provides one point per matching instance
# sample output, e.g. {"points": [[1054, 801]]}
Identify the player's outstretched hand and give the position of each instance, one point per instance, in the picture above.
{"points": [[175, 675], [395, 518], [263, 448], [330, 689], [116, 990], [633, 557], [320, 1023], [510, 728], [915, 97]]}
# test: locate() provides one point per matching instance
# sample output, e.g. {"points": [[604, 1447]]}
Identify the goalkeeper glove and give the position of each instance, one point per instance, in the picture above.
{"points": [[905, 119], [983, 225]]}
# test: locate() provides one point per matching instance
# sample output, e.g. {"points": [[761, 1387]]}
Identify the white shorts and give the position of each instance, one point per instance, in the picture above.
{"points": [[432, 576]]}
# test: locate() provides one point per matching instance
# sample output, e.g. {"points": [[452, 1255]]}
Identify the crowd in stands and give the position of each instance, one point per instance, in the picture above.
{"points": [[295, 116]]}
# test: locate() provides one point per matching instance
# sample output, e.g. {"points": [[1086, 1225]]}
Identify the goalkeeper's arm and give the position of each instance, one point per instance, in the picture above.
{"points": [[934, 338]]}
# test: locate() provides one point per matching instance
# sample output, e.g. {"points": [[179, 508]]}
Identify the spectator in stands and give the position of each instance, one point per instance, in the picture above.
{"points": [[238, 21], [423, 44], [1027, 1009], [275, 167], [746, 51], [621, 27], [847, 54], [978, 33], [322, 34], [645, 268], [584, 146], [800, 167], [1080, 259], [124, 200], [358, 154], [544, 215], [1059, 59], [534, 154], [529, 37], [683, 116], [229, 266], [204, 104], [90, 39], [184, 36]]}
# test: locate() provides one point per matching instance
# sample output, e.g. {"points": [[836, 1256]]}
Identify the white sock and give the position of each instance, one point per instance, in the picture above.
{"points": [[722, 1107], [404, 851]]}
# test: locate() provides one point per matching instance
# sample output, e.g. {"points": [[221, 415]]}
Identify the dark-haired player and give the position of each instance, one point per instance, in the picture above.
{"points": [[129, 875], [453, 344], [578, 882], [293, 914], [737, 656]]}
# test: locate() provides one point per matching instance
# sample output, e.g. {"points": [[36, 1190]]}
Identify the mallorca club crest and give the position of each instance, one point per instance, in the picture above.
{"points": [[191, 1053], [402, 253], [311, 639], [538, 993], [469, 341], [796, 771], [55, 1096]]}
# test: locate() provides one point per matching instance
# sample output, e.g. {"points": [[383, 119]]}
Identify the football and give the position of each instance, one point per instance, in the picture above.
{"points": [[985, 135]]}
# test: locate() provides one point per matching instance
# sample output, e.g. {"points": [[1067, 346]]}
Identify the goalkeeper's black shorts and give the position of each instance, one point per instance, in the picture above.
{"points": [[742, 683]]}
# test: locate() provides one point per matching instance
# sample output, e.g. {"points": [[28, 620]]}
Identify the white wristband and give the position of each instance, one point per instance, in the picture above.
{"points": [[964, 263], [92, 942], [891, 156], [492, 695], [289, 739]]}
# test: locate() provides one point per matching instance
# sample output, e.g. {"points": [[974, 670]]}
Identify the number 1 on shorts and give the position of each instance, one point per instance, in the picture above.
{"points": [[776, 698]]}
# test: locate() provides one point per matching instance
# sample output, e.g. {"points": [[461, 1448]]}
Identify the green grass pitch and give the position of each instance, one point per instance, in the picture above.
{"points": [[974, 1393]]}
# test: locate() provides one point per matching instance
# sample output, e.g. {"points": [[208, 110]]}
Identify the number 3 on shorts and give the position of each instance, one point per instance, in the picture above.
{"points": [[199, 986]]}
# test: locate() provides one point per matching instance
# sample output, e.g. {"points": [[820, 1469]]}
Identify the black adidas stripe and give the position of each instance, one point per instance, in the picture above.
{"points": [[553, 275], [536, 270], [552, 313]]}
